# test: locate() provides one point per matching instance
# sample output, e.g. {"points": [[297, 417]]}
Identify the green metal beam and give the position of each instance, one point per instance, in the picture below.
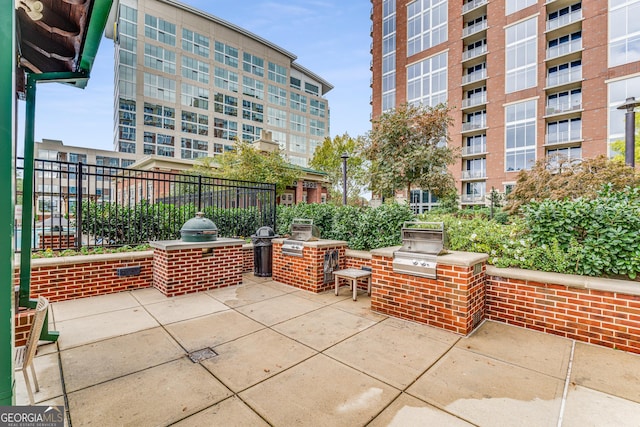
{"points": [[27, 188], [7, 199]]}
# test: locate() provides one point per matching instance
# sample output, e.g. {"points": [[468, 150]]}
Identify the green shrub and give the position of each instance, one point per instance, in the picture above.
{"points": [[362, 228]]}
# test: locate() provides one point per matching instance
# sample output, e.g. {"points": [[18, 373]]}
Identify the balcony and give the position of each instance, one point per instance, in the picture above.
{"points": [[475, 28], [472, 198], [563, 20], [564, 49], [476, 125], [474, 53], [474, 77], [565, 137], [562, 108], [570, 75], [474, 101], [475, 174], [472, 5], [472, 150]]}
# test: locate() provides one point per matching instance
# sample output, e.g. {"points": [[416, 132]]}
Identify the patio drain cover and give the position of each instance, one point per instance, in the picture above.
{"points": [[200, 355]]}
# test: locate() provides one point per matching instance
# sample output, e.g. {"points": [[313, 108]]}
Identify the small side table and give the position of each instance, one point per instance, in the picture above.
{"points": [[353, 275]]}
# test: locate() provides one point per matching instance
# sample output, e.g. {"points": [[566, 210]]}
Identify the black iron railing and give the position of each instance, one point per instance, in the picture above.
{"points": [[80, 205]]}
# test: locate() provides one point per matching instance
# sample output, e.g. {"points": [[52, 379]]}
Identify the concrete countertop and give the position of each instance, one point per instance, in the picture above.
{"points": [[175, 245], [463, 259], [320, 243]]}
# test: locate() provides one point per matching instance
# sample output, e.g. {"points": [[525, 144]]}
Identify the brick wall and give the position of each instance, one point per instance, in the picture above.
{"points": [[57, 241], [64, 278], [23, 321], [610, 319], [454, 301], [357, 260], [183, 271], [247, 258], [305, 272]]}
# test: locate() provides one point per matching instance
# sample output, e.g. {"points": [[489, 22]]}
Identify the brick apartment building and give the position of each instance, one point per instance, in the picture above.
{"points": [[527, 79]]}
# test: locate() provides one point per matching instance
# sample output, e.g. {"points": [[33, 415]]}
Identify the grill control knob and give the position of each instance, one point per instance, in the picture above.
{"points": [[423, 263], [415, 262]]}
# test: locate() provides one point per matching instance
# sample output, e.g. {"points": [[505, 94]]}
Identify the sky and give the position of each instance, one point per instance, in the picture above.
{"points": [[329, 37]]}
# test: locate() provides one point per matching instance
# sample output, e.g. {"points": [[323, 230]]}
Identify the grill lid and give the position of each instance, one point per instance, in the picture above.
{"points": [[302, 229], [424, 237], [199, 229]]}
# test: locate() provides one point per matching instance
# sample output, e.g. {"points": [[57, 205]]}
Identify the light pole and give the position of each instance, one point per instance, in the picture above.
{"points": [[344, 158], [629, 130]]}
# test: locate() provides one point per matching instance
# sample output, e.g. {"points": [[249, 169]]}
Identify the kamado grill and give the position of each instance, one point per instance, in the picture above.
{"points": [[422, 242], [302, 230]]}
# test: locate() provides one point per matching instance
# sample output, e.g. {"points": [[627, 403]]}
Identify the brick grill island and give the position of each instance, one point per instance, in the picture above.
{"points": [[307, 272], [184, 267], [454, 301]]}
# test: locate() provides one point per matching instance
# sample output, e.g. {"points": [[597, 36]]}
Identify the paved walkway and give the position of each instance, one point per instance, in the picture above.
{"points": [[288, 357]]}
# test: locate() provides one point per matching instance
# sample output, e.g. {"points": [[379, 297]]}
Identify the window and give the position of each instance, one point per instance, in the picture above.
{"points": [[295, 83], [624, 32], [226, 104], [159, 58], [277, 118], [277, 96], [298, 123], [427, 81], [250, 133], [252, 111], [474, 192], [252, 87], [159, 116], [127, 118], [426, 24], [277, 73], [298, 102], [520, 139], [126, 147], [193, 42], [564, 45], [521, 55], [564, 73], [225, 79], [475, 169], [317, 108], [475, 144], [195, 96], [253, 64], [564, 131], [159, 87], [160, 30], [225, 129], [388, 55], [311, 88], [195, 70], [619, 91], [513, 6], [567, 100], [226, 54], [569, 153], [316, 127], [195, 123], [298, 144], [193, 148]]}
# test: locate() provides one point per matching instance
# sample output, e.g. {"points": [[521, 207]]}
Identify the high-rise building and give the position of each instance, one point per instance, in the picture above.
{"points": [[527, 78], [187, 84]]}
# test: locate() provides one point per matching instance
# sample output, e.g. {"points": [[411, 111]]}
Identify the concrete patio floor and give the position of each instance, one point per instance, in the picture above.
{"points": [[289, 357]]}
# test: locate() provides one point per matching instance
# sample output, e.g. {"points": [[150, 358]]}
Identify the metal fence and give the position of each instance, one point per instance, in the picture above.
{"points": [[81, 205]]}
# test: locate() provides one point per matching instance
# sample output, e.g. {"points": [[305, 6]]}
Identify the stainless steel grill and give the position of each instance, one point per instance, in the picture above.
{"points": [[422, 242], [302, 230]]}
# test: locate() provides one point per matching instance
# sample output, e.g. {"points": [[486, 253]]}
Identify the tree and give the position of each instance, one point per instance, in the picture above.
{"points": [[619, 145], [407, 148], [245, 163], [328, 158], [562, 178]]}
